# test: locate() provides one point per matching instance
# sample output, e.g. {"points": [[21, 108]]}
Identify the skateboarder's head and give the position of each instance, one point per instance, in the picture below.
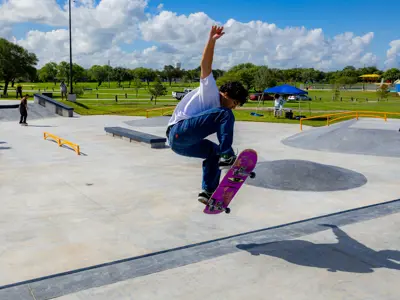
{"points": [[233, 94]]}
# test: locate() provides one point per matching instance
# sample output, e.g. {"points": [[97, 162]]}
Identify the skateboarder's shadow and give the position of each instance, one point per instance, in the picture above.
{"points": [[347, 255]]}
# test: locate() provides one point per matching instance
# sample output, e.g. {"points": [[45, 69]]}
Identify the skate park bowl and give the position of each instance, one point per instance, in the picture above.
{"points": [[365, 136]]}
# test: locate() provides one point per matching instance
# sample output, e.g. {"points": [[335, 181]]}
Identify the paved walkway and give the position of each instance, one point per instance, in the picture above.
{"points": [[121, 221]]}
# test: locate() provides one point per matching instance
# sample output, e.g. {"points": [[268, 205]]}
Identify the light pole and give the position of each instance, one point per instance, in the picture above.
{"points": [[71, 96]]}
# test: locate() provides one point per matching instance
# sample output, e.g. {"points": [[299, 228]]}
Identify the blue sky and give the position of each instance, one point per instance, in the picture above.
{"points": [[333, 17]]}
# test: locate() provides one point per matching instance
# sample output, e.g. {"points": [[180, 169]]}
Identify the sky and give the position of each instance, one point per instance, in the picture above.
{"points": [[325, 35]]}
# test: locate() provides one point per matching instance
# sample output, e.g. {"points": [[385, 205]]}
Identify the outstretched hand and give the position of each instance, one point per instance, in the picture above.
{"points": [[216, 32]]}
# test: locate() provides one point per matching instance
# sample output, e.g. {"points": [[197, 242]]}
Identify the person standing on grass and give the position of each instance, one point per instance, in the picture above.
{"points": [[23, 109], [19, 90], [204, 111], [276, 104], [63, 90]]}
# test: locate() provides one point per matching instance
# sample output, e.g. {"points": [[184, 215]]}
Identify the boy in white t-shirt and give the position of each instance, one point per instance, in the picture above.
{"points": [[202, 112]]}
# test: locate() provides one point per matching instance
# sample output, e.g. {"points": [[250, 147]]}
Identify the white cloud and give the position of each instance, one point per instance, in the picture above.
{"points": [[94, 30], [100, 29], [261, 42], [39, 11], [393, 55]]}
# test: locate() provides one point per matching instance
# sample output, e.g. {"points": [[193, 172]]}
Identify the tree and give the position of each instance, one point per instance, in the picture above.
{"points": [[383, 91], [146, 74], [63, 71], [157, 90], [137, 84], [247, 76], [169, 72], [264, 78], [392, 74], [48, 72], [15, 62], [78, 73], [228, 76], [98, 73], [120, 74]]}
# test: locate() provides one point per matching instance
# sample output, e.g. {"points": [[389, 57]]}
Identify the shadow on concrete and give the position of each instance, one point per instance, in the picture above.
{"points": [[347, 255], [302, 175], [5, 148]]}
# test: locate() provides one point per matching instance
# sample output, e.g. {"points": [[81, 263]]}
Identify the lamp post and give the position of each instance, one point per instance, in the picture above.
{"points": [[71, 96]]}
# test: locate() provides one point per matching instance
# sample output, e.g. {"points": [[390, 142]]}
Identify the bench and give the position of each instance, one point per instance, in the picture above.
{"points": [[129, 135], [54, 106]]}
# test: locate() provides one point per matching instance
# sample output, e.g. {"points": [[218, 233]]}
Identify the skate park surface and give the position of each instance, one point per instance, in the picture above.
{"points": [[121, 220]]}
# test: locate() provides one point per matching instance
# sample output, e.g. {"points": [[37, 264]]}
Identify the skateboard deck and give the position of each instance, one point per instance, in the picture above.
{"points": [[232, 182]]}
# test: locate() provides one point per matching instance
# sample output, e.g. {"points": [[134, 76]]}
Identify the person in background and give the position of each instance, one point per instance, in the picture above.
{"points": [[63, 90], [276, 104], [19, 90], [23, 109]]}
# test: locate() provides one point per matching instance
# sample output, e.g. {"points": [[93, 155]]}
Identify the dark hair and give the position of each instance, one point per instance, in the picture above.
{"points": [[276, 96], [235, 90]]}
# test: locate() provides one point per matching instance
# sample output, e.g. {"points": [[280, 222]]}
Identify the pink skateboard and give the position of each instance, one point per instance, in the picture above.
{"points": [[232, 182]]}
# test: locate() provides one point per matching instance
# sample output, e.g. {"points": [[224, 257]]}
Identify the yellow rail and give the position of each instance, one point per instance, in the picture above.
{"points": [[352, 114], [159, 108], [61, 141]]}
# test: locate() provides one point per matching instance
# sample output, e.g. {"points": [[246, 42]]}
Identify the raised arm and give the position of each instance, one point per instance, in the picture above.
{"points": [[208, 53]]}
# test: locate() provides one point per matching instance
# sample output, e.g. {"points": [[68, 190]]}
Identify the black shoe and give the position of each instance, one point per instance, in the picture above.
{"points": [[225, 162], [204, 197]]}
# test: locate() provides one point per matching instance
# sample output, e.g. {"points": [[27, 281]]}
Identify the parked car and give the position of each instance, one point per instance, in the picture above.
{"points": [[180, 95], [256, 96], [299, 97]]}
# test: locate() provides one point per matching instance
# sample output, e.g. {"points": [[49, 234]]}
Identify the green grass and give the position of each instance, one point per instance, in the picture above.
{"points": [[102, 102], [92, 108]]}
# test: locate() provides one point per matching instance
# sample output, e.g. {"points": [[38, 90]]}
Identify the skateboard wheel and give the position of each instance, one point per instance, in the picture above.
{"points": [[252, 175], [227, 210]]}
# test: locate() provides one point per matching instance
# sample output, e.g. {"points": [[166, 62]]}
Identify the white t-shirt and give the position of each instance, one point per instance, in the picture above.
{"points": [[277, 102], [200, 99]]}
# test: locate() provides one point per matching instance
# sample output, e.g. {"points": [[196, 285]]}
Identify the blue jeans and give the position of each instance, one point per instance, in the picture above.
{"points": [[188, 138]]}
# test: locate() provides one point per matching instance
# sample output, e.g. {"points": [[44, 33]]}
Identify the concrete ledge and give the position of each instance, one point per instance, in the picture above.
{"points": [[54, 106], [132, 135], [8, 106]]}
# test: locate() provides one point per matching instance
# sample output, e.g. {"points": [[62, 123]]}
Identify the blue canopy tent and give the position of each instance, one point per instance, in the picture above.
{"points": [[285, 89]]}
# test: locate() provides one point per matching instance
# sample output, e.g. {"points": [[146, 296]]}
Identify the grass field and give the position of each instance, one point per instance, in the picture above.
{"points": [[102, 101]]}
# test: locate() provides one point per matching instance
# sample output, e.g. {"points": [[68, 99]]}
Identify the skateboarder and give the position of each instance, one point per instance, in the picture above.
{"points": [[202, 112], [23, 110]]}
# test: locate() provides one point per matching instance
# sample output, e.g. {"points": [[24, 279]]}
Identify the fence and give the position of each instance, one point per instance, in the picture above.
{"points": [[350, 114]]}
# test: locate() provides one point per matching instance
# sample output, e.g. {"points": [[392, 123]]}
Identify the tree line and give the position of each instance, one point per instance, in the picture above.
{"points": [[17, 64]]}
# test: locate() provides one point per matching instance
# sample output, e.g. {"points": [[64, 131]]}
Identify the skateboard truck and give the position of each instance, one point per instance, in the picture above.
{"points": [[212, 206], [243, 173]]}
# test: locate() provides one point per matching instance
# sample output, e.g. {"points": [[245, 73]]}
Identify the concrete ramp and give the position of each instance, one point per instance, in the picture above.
{"points": [[365, 136], [35, 111]]}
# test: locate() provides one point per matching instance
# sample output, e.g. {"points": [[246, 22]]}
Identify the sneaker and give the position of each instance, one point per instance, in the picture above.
{"points": [[204, 197], [225, 162]]}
